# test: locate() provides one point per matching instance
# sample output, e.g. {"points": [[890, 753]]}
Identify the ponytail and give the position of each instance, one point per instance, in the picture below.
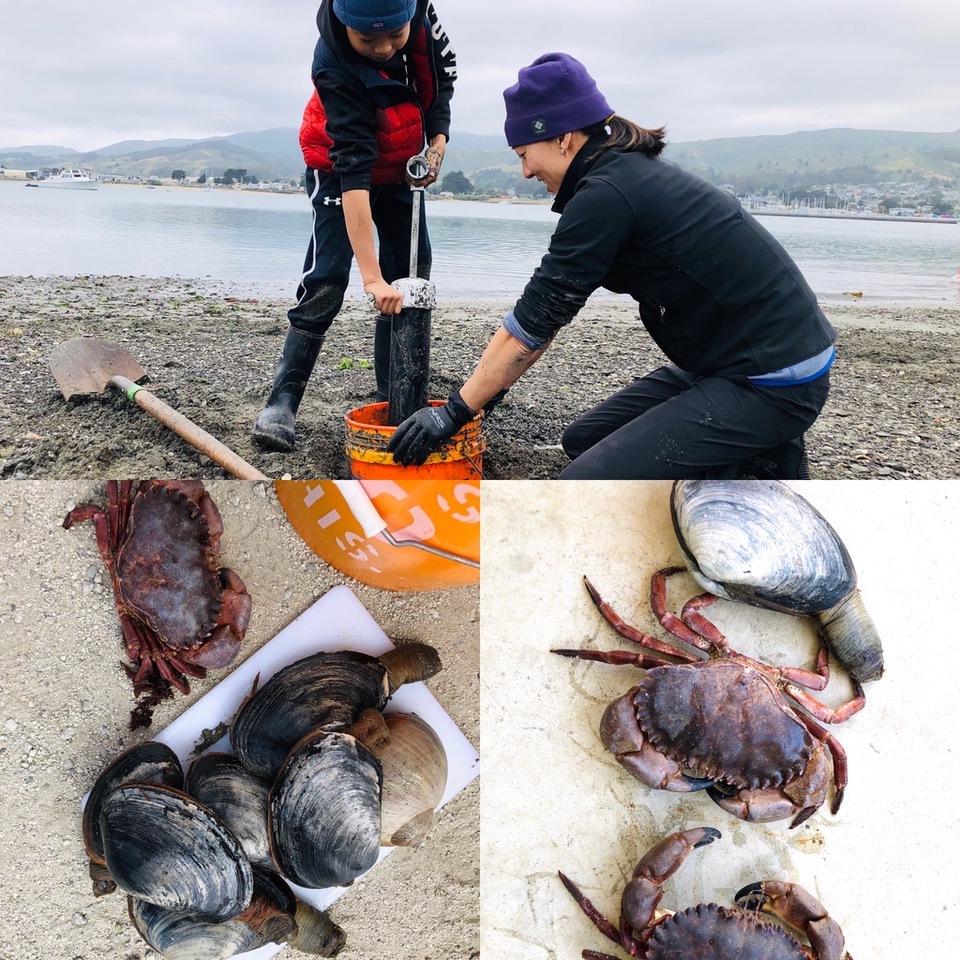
{"points": [[627, 136]]}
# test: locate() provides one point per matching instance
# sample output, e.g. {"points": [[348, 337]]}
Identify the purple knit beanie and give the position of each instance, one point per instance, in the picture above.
{"points": [[374, 16], [553, 96]]}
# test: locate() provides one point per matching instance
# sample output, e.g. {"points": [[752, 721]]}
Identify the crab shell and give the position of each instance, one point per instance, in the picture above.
{"points": [[711, 932], [758, 542], [169, 575], [723, 719]]}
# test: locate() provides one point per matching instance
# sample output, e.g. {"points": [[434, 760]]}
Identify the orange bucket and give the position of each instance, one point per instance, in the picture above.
{"points": [[368, 435], [397, 535]]}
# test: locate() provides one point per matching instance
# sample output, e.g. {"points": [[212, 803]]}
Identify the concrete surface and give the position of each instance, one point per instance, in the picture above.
{"points": [[885, 866]]}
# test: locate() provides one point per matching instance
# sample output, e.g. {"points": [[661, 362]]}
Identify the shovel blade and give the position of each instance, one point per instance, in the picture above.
{"points": [[85, 365]]}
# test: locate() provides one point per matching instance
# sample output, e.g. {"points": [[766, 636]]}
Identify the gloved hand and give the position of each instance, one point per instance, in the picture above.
{"points": [[428, 429]]}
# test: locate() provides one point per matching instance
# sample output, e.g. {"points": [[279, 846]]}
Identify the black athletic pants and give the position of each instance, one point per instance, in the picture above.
{"points": [[326, 267], [674, 425]]}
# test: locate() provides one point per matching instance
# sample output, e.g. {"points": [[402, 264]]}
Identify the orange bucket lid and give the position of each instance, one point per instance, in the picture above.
{"points": [[392, 534]]}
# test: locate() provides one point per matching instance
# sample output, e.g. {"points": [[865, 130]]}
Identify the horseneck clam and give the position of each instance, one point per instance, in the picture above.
{"points": [[759, 542], [205, 863]]}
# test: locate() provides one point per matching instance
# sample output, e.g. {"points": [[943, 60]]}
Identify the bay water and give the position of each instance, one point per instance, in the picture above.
{"points": [[253, 244]]}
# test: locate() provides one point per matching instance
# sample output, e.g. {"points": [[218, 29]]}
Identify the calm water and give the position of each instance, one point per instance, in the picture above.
{"points": [[254, 243]]}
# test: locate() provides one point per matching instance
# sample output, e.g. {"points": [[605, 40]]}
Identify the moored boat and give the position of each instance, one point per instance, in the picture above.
{"points": [[73, 179]]}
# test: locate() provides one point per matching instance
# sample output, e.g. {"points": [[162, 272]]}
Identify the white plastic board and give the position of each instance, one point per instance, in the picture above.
{"points": [[337, 621]]}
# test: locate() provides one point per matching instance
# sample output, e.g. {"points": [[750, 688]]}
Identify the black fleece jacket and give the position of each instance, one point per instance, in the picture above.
{"points": [[350, 100], [716, 291]]}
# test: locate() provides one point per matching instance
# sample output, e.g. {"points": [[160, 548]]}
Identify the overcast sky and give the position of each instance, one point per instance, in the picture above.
{"points": [[87, 74]]}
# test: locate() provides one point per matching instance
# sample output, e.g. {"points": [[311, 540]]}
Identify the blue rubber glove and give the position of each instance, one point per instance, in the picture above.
{"points": [[427, 430]]}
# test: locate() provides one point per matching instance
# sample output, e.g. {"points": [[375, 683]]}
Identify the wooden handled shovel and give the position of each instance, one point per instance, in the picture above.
{"points": [[87, 365]]}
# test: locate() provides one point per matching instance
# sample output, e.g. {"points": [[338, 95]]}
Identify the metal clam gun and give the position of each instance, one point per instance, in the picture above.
{"points": [[410, 328]]}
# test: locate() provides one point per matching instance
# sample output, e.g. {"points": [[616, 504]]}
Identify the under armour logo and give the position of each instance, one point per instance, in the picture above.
{"points": [[332, 201], [538, 126]]}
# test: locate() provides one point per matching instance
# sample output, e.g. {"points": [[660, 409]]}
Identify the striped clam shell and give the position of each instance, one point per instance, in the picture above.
{"points": [[760, 542]]}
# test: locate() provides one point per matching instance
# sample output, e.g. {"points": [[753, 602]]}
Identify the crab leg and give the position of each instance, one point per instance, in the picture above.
{"points": [[620, 658], [811, 679], [595, 916], [632, 633], [824, 713], [670, 622], [801, 910]]}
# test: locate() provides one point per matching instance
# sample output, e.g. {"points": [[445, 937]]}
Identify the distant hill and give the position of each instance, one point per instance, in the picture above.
{"points": [[810, 157], [824, 156]]}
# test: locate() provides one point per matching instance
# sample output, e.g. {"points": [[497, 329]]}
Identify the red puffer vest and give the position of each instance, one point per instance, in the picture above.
{"points": [[399, 127]]}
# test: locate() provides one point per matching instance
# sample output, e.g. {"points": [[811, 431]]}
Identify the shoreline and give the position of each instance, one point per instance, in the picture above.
{"points": [[893, 412], [283, 300]]}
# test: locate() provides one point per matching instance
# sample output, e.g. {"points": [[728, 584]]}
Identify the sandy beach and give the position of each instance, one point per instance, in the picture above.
{"points": [[894, 409], [65, 702]]}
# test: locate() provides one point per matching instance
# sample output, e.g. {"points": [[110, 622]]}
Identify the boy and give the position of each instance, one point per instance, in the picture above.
{"points": [[383, 72]]}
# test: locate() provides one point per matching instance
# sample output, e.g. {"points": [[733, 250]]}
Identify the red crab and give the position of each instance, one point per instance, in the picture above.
{"points": [[709, 931], [180, 611], [723, 721]]}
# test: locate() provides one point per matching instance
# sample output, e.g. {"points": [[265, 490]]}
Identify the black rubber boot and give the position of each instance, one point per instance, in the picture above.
{"points": [[274, 428]]}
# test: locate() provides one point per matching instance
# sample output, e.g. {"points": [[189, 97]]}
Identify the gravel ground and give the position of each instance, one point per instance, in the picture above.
{"points": [[65, 704], [894, 410]]}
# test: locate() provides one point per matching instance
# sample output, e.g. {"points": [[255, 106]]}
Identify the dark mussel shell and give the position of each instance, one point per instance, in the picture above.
{"points": [[150, 762], [324, 691], [238, 797], [270, 918], [325, 811], [759, 542], [164, 847]]}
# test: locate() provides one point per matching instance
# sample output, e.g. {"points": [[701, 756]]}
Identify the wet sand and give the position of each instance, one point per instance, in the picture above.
{"points": [[894, 409]]}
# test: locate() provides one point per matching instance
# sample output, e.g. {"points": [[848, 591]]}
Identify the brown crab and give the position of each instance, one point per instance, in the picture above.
{"points": [[180, 611], [724, 722], [709, 931]]}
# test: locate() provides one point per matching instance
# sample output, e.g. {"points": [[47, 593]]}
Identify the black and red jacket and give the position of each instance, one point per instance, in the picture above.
{"points": [[365, 119]]}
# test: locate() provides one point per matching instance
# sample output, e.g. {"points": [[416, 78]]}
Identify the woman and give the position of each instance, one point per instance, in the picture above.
{"points": [[750, 349]]}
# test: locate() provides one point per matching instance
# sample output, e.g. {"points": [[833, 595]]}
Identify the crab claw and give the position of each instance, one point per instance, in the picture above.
{"points": [[622, 736], [801, 910], [751, 897]]}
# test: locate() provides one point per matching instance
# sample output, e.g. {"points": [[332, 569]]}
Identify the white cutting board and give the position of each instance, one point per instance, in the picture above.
{"points": [[337, 621]]}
